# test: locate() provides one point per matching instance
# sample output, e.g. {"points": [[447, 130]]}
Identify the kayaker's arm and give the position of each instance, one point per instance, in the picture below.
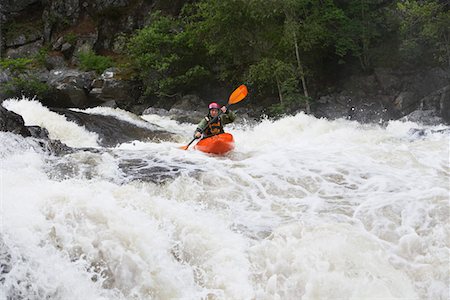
{"points": [[228, 117], [201, 126]]}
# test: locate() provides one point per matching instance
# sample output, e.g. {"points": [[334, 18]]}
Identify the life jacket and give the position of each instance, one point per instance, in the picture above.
{"points": [[213, 128]]}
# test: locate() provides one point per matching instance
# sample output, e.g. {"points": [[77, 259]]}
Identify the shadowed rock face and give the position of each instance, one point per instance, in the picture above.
{"points": [[12, 122], [113, 131]]}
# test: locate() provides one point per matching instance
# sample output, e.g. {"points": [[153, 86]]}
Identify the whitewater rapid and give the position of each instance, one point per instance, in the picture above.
{"points": [[304, 208]]}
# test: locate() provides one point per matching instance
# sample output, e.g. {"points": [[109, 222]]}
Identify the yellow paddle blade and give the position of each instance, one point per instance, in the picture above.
{"points": [[184, 147], [238, 94]]}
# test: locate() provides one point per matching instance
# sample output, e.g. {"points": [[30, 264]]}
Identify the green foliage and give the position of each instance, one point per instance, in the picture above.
{"points": [[41, 57], [366, 24], [27, 86], [28, 28], [166, 58], [281, 48], [89, 61], [16, 65], [425, 29], [71, 38]]}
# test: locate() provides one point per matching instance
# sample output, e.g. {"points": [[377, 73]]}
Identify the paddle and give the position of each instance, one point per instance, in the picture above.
{"points": [[238, 94]]}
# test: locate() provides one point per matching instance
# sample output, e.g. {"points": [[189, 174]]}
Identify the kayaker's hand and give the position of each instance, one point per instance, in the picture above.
{"points": [[224, 109], [197, 135]]}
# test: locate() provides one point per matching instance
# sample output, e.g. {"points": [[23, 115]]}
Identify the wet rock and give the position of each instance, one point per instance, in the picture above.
{"points": [[38, 132], [425, 117], [113, 131], [387, 94], [12, 122], [368, 109]]}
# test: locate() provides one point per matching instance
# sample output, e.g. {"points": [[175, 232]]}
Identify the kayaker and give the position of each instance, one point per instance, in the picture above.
{"points": [[216, 127]]}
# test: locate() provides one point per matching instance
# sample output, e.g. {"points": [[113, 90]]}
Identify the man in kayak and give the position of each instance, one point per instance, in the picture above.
{"points": [[210, 125]]}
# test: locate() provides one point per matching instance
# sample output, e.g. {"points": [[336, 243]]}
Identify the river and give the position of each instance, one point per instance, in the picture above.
{"points": [[304, 208]]}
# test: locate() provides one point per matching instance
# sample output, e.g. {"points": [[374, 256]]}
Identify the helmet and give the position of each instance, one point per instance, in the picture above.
{"points": [[213, 105]]}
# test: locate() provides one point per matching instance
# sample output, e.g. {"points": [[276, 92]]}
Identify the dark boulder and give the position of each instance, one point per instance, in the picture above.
{"points": [[113, 131], [12, 122], [445, 104], [113, 86], [71, 87]]}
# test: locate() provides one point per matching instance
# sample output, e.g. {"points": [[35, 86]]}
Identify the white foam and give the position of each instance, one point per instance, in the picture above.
{"points": [[304, 208], [34, 114]]}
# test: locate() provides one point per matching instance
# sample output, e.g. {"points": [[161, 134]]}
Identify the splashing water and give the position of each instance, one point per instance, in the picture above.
{"points": [[304, 208]]}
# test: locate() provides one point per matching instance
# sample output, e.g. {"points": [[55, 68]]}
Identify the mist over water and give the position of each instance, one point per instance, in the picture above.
{"points": [[304, 208]]}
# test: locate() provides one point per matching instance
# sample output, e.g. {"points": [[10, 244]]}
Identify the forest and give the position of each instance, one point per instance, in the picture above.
{"points": [[286, 49]]}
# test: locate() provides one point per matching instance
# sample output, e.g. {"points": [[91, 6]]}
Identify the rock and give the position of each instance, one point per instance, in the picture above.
{"points": [[406, 101], [361, 85], [434, 109], [425, 117], [11, 6], [113, 131], [27, 50], [24, 38], [367, 109], [156, 111], [111, 104], [186, 116], [86, 39], [17, 41], [190, 102], [4, 76], [67, 50], [434, 100], [38, 132], [12, 122], [58, 44], [387, 80], [111, 87], [445, 104], [55, 62], [71, 86]]}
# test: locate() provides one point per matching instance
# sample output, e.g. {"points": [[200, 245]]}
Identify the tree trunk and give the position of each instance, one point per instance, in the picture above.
{"points": [[280, 94], [364, 39], [447, 49], [302, 75]]}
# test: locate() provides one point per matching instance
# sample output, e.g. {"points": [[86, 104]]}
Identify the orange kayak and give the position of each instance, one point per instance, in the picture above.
{"points": [[216, 144]]}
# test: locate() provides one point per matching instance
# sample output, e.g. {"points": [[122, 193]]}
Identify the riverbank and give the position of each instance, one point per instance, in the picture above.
{"points": [[63, 55]]}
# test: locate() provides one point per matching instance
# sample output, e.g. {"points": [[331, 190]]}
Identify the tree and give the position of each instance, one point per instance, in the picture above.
{"points": [[368, 22], [226, 30], [425, 29], [165, 58], [310, 30]]}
